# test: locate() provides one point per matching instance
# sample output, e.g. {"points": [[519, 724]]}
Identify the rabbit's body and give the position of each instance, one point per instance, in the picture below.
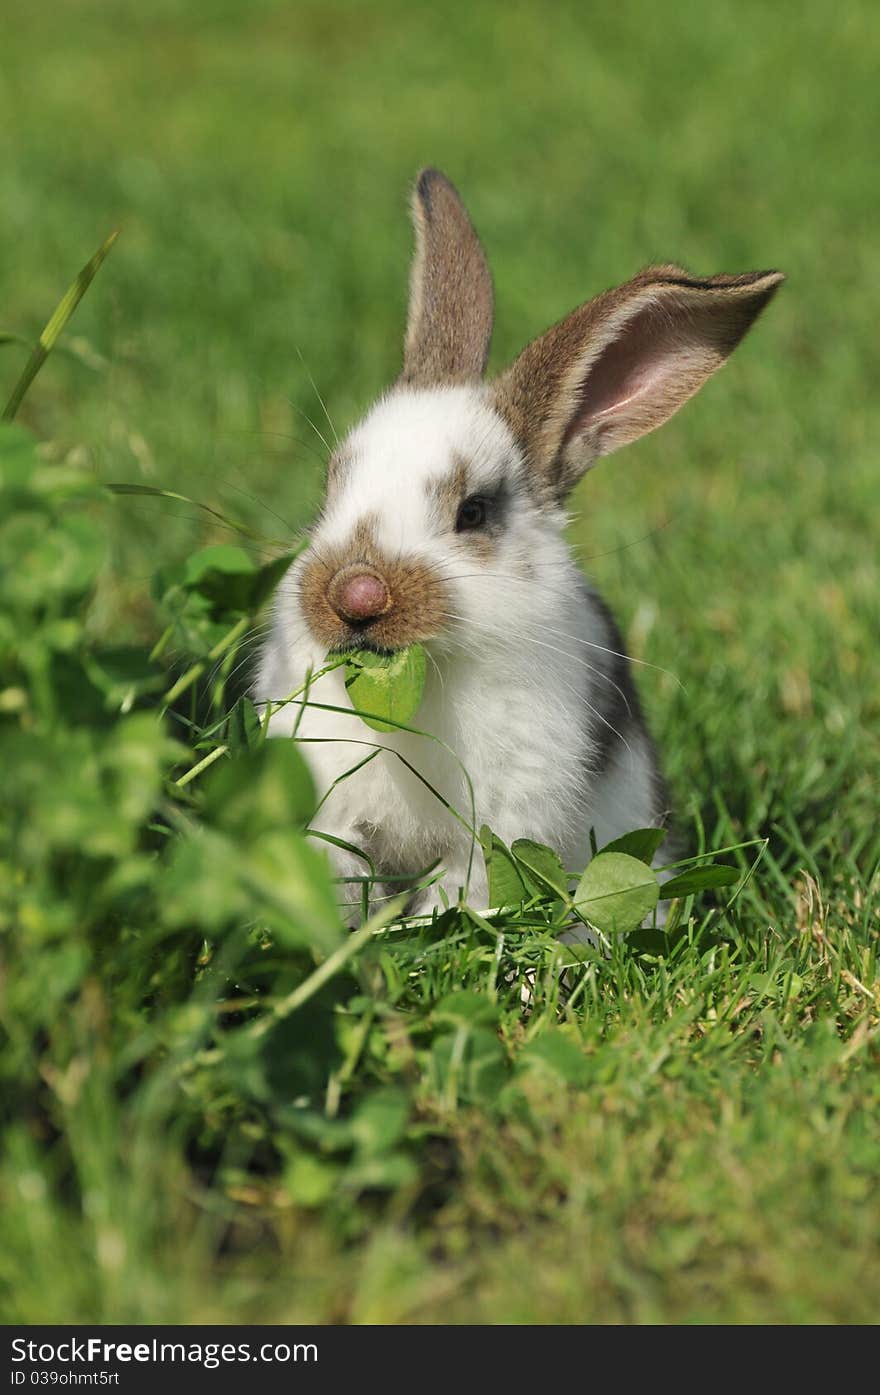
{"points": [[443, 525], [526, 683]]}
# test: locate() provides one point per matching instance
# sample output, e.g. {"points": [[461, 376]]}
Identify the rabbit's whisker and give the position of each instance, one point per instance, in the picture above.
{"points": [[317, 394]]}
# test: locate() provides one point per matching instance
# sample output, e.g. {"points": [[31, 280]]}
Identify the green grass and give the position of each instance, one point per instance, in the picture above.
{"points": [[693, 1134]]}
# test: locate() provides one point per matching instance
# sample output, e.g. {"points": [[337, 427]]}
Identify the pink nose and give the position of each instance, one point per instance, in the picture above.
{"points": [[358, 595]]}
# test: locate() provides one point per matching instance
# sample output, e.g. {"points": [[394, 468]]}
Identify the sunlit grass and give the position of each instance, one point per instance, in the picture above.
{"points": [[684, 1130]]}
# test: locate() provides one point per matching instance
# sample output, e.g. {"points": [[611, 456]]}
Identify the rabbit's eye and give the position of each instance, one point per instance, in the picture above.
{"points": [[471, 514]]}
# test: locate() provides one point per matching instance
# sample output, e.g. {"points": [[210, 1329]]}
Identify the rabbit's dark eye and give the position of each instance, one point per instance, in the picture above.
{"points": [[471, 514]]}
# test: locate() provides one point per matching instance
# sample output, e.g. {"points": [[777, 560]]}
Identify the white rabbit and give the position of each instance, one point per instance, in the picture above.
{"points": [[443, 525]]}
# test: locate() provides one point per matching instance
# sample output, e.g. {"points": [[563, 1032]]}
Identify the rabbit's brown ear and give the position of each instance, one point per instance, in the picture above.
{"points": [[621, 364], [449, 325]]}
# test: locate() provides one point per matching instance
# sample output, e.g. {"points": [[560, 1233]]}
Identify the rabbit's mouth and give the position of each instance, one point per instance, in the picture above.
{"points": [[361, 642], [356, 598]]}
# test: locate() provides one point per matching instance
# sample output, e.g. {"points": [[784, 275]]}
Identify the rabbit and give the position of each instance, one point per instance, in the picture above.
{"points": [[443, 526]]}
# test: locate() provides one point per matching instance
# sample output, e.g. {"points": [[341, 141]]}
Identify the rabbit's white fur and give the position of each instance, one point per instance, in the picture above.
{"points": [[510, 681]]}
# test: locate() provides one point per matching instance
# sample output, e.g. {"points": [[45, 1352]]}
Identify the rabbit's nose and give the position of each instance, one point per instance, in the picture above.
{"points": [[358, 595]]}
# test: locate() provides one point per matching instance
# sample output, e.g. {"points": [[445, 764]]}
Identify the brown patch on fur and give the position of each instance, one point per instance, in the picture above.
{"points": [[417, 597], [584, 388], [449, 492], [480, 542], [451, 302]]}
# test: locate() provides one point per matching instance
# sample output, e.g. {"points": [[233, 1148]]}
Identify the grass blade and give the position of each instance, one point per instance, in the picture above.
{"points": [[331, 965], [157, 493], [59, 319]]}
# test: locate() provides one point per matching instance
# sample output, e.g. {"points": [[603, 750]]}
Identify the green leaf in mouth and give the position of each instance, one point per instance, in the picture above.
{"points": [[386, 689]]}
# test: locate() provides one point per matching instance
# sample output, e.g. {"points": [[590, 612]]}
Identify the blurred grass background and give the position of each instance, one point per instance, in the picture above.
{"points": [[257, 157]]}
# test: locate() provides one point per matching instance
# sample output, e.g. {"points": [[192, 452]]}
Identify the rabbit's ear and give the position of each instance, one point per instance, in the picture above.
{"points": [[621, 364], [449, 325]]}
